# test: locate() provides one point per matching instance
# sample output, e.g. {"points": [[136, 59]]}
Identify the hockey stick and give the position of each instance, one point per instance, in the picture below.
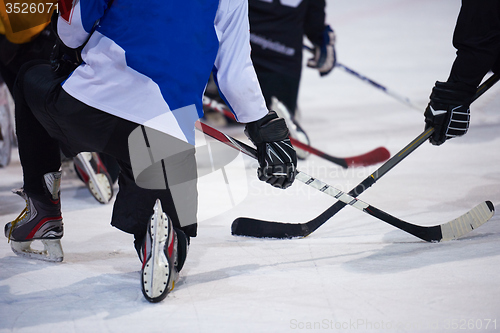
{"points": [[447, 231], [404, 100], [258, 228], [374, 156]]}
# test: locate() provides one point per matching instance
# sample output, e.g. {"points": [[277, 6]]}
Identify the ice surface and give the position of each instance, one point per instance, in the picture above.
{"points": [[355, 273]]}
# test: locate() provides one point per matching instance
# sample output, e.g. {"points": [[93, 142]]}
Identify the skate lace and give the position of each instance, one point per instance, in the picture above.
{"points": [[19, 218]]}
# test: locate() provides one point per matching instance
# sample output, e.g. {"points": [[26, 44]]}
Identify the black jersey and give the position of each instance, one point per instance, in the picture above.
{"points": [[277, 28], [477, 40]]}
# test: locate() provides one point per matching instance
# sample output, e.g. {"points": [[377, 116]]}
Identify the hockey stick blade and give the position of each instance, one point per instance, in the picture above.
{"points": [[453, 229], [442, 232], [378, 155], [270, 229]]}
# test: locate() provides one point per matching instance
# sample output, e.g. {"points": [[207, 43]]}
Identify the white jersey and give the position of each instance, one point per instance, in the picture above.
{"points": [[149, 62]]}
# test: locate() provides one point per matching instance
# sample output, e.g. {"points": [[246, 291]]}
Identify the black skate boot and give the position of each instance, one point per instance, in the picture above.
{"points": [[95, 176], [41, 219], [294, 128], [162, 253]]}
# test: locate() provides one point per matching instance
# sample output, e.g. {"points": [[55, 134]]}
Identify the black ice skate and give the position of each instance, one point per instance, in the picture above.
{"points": [[93, 172], [162, 254], [41, 219], [294, 128]]}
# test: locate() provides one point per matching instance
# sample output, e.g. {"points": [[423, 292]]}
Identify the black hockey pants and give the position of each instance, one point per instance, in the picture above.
{"points": [[49, 120]]}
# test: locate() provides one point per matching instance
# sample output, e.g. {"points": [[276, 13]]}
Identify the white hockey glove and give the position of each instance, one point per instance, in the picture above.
{"points": [[324, 55]]}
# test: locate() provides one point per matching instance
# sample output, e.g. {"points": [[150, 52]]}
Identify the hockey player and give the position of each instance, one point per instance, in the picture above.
{"points": [[23, 37], [477, 40], [28, 36], [144, 83], [277, 30]]}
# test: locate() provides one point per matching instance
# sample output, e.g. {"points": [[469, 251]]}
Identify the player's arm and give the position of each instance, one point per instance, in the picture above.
{"points": [[76, 20], [238, 85], [477, 40], [73, 24], [321, 36], [233, 69]]}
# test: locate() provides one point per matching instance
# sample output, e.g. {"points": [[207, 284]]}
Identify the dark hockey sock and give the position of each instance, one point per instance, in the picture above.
{"points": [[39, 153]]}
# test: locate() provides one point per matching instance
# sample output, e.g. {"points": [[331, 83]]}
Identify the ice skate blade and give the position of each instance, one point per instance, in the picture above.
{"points": [[52, 250], [156, 274], [104, 192], [99, 184]]}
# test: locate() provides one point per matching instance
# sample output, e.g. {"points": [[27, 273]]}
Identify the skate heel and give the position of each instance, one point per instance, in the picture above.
{"points": [[159, 257], [93, 172], [157, 270]]}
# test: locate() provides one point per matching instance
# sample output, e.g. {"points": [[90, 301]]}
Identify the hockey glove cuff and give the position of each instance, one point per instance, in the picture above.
{"points": [[276, 156], [63, 59], [448, 111], [324, 55]]}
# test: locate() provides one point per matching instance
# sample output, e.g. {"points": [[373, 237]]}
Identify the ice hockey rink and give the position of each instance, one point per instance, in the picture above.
{"points": [[355, 273]]}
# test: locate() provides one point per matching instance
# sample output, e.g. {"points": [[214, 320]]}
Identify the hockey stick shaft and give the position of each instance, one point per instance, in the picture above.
{"points": [[485, 86], [476, 217], [392, 93], [399, 97], [417, 142], [374, 156], [259, 228]]}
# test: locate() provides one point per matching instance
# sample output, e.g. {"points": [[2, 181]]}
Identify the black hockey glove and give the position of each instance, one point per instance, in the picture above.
{"points": [[63, 59], [324, 55], [277, 158], [448, 111]]}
